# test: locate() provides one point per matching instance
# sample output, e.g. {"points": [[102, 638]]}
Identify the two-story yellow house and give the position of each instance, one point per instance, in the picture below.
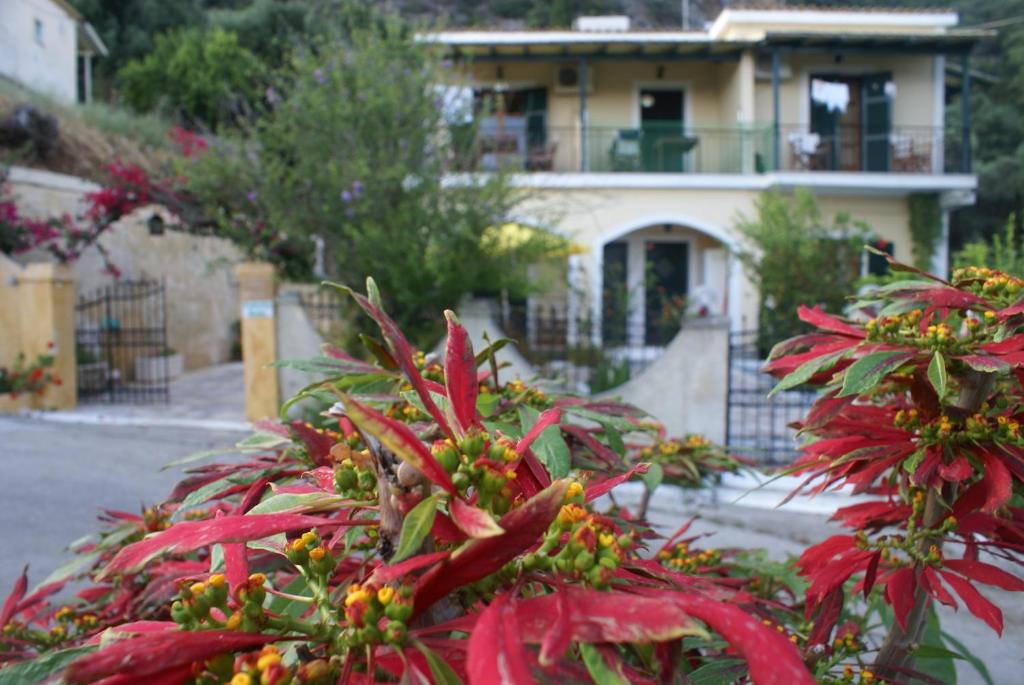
{"points": [[647, 145]]}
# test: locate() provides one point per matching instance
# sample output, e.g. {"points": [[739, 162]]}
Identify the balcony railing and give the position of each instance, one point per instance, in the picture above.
{"points": [[708, 150]]}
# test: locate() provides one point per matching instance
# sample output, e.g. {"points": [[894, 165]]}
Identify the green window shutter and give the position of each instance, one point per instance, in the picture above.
{"points": [[876, 122]]}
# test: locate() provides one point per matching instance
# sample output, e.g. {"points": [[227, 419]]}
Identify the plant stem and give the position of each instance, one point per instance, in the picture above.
{"points": [[895, 654]]}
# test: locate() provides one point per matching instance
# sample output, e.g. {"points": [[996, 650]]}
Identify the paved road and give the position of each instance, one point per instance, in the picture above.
{"points": [[57, 476]]}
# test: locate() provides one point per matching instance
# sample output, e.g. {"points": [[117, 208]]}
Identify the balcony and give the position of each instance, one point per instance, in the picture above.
{"points": [[706, 150]]}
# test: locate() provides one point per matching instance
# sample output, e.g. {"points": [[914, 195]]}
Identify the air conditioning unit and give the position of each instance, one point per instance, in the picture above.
{"points": [[567, 79]]}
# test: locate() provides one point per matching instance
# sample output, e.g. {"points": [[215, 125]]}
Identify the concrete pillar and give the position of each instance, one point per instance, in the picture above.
{"points": [[46, 294], [256, 289], [745, 110]]}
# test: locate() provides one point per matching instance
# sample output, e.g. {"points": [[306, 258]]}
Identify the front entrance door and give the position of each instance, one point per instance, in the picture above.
{"points": [[666, 267], [661, 126]]}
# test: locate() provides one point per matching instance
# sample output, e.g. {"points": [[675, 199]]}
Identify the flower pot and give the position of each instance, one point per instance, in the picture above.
{"points": [[158, 369], [10, 404]]}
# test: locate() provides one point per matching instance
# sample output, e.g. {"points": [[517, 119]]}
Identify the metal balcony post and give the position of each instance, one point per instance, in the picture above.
{"points": [[583, 114], [965, 114], [776, 149]]}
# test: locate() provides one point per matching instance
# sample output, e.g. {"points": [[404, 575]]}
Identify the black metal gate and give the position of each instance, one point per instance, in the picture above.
{"points": [[121, 343], [758, 427]]}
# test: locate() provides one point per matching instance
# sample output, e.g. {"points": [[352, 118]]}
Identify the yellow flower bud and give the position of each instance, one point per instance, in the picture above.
{"points": [[318, 553], [216, 580], [197, 589], [241, 679], [385, 595], [257, 579], [309, 537]]}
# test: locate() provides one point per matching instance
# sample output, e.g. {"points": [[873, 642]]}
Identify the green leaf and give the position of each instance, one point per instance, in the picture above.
{"points": [[297, 503], [807, 370], [978, 665], [211, 490], [416, 527], [598, 669], [485, 354], [42, 667], [620, 423], [72, 567], [652, 479], [931, 658], [283, 605], [373, 293], [262, 441], [718, 672], [937, 374], [486, 403], [442, 673], [198, 456], [869, 370], [549, 446], [614, 438]]}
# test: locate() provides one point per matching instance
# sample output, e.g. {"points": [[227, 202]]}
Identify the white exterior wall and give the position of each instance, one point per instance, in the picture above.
{"points": [[49, 66]]}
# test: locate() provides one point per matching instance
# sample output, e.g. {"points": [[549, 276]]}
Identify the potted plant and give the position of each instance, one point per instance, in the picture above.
{"points": [[23, 384], [166, 365]]}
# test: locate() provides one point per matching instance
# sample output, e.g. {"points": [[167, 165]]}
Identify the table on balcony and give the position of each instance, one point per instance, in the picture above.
{"points": [[669, 148]]}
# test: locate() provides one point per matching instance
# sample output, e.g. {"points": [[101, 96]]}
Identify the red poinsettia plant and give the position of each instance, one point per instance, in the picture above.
{"points": [[921, 408], [439, 526]]}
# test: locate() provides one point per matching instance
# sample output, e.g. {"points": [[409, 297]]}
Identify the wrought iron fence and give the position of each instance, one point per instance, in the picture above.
{"points": [[581, 354], [121, 343], [759, 427]]}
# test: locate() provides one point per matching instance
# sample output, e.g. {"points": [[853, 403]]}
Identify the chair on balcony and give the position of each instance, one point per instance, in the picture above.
{"points": [[541, 157], [805, 151], [908, 155], [625, 151]]}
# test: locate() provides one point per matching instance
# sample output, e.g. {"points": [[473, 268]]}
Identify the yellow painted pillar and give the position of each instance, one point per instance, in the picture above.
{"points": [[47, 294], [257, 289]]}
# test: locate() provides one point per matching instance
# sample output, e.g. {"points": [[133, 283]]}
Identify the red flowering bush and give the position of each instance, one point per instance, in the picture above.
{"points": [[442, 529], [440, 526], [921, 407], [25, 377]]}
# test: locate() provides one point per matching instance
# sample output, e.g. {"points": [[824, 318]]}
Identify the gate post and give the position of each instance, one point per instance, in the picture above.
{"points": [[256, 289], [48, 316]]}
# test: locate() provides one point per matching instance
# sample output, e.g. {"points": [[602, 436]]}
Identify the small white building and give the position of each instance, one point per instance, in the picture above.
{"points": [[46, 45]]}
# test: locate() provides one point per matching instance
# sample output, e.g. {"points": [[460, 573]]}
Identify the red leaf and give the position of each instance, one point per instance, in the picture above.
{"points": [[154, 653], [548, 417], [474, 522], [595, 490], [175, 676], [17, 592], [930, 578], [980, 362], [385, 574], [460, 373], [400, 439], [828, 614], [957, 470], [478, 558], [600, 450], [985, 573], [870, 573], [559, 636], [402, 350], [949, 297], [998, 483], [899, 592], [318, 445], [976, 604], [596, 617], [496, 652], [771, 658], [188, 536], [816, 317]]}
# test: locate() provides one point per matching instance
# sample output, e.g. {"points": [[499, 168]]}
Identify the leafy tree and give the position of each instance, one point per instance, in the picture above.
{"points": [[129, 29], [1002, 253], [795, 258], [350, 153], [203, 77]]}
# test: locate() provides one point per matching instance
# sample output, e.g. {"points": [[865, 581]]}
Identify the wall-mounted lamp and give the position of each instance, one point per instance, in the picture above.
{"points": [[660, 72], [499, 72], [155, 223]]}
